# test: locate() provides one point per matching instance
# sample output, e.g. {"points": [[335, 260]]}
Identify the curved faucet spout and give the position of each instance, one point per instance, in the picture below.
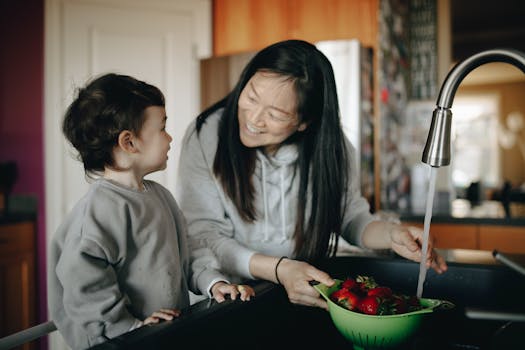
{"points": [[456, 75], [437, 148]]}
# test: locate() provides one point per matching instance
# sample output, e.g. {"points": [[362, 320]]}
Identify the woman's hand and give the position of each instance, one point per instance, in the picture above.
{"points": [[162, 314], [407, 242], [220, 289], [404, 240], [295, 276]]}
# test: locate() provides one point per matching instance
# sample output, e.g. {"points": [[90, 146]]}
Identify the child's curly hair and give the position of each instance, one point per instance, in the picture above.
{"points": [[102, 110]]}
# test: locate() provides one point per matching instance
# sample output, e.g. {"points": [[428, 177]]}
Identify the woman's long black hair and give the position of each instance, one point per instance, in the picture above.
{"points": [[322, 159]]}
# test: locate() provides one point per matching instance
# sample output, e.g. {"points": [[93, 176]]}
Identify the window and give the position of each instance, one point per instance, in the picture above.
{"points": [[475, 152]]}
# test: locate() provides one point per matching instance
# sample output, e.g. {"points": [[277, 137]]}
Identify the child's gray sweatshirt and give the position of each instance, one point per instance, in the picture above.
{"points": [[119, 256]]}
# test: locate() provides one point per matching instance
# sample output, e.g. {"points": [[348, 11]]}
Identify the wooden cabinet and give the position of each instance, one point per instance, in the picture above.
{"points": [[17, 278], [250, 25], [509, 239], [454, 236]]}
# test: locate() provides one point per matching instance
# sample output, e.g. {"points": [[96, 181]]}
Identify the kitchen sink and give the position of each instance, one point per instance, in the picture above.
{"points": [[489, 299], [270, 321], [487, 286]]}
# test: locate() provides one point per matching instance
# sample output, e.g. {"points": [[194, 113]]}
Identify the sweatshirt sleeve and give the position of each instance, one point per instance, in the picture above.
{"points": [[92, 298], [213, 249], [357, 209], [182, 236]]}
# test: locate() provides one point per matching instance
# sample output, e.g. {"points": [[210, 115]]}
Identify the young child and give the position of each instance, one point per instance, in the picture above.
{"points": [[120, 259]]}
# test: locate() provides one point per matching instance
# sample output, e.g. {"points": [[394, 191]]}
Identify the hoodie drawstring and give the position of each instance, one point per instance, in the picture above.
{"points": [[283, 213], [266, 237]]}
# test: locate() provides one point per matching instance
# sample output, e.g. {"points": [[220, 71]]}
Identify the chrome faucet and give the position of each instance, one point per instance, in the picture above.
{"points": [[437, 148]]}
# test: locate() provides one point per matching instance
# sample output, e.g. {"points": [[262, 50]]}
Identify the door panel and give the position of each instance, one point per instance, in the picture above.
{"points": [[154, 46]]}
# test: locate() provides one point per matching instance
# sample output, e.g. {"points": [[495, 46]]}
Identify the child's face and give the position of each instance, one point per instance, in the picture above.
{"points": [[153, 140]]}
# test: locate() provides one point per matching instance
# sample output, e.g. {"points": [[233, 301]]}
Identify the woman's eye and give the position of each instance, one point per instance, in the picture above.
{"points": [[278, 117]]}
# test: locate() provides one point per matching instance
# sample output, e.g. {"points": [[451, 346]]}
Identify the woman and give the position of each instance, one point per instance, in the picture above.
{"points": [[267, 173]]}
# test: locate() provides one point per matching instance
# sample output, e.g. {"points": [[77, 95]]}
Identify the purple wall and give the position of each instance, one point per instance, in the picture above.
{"points": [[21, 110]]}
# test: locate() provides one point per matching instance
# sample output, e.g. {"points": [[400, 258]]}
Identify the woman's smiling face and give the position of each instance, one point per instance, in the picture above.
{"points": [[268, 111]]}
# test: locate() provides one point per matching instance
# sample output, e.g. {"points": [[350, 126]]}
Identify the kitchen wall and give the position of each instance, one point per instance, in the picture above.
{"points": [[21, 111]]}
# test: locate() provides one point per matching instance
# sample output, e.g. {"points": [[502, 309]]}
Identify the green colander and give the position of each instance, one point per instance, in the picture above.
{"points": [[377, 332]]}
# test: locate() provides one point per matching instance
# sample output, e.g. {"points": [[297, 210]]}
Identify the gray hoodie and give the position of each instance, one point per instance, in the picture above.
{"points": [[221, 242]]}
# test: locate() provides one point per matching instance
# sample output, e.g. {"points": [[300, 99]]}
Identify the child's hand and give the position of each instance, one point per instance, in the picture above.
{"points": [[220, 289], [162, 314]]}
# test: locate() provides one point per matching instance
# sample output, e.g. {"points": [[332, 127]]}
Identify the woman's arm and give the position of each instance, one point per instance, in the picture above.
{"points": [[294, 275], [213, 248]]}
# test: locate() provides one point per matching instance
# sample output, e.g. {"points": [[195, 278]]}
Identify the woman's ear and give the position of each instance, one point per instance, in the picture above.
{"points": [[302, 127], [125, 141]]}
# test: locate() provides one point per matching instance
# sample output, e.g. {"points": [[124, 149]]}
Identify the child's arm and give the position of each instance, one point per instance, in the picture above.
{"points": [[162, 314], [156, 317]]}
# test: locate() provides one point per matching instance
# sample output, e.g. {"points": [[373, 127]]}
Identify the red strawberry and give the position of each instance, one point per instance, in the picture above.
{"points": [[345, 298], [339, 294], [365, 283], [349, 283], [383, 292], [370, 305]]}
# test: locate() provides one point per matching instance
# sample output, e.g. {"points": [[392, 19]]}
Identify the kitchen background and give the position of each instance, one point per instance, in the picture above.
{"points": [[47, 47]]}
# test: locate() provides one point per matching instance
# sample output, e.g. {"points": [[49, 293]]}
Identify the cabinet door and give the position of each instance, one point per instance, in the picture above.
{"points": [[509, 239], [250, 25], [453, 236], [333, 19], [17, 278]]}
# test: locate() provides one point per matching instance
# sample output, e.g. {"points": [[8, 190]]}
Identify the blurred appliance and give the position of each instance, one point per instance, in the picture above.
{"points": [[8, 176]]}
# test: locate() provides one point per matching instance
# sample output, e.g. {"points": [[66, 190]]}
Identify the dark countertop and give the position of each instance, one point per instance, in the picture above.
{"points": [[481, 257], [459, 256], [20, 208], [449, 219], [13, 218], [462, 212]]}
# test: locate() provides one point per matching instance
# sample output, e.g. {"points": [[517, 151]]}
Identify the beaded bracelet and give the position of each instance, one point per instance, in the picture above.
{"points": [[276, 266]]}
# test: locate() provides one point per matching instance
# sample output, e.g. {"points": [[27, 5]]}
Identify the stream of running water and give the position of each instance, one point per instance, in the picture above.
{"points": [[426, 229]]}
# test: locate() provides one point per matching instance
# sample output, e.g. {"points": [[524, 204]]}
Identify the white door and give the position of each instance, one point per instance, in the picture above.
{"points": [[157, 41]]}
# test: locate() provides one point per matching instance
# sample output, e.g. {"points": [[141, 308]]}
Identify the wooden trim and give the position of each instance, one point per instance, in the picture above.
{"points": [[508, 239]]}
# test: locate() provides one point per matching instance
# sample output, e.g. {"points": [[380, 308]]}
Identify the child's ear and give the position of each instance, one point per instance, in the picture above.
{"points": [[125, 141]]}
